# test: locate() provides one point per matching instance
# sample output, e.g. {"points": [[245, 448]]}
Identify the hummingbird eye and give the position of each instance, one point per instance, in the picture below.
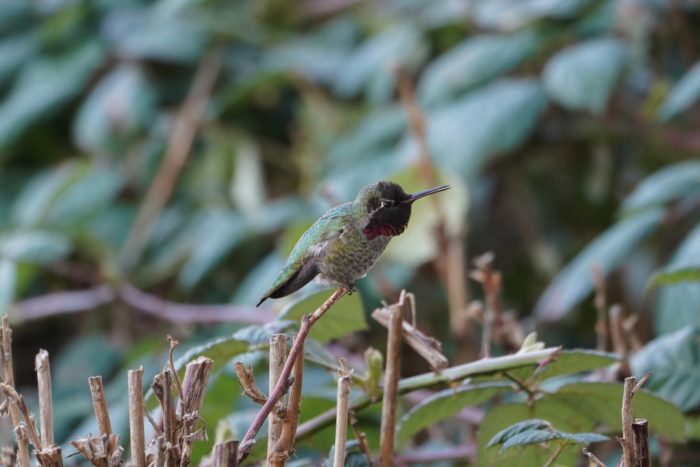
{"points": [[387, 203]]}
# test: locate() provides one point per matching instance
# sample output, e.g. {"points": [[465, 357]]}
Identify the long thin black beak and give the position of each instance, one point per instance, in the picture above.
{"points": [[427, 192]]}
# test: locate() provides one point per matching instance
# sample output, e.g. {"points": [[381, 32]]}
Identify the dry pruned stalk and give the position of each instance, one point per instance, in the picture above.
{"points": [[629, 448], [136, 411], [498, 326], [26, 424], [9, 379], [285, 446], [450, 261], [162, 386], [641, 442], [193, 387], [391, 382], [341, 419], [43, 376], [278, 355], [281, 388], [103, 450], [427, 347], [247, 380], [226, 454]]}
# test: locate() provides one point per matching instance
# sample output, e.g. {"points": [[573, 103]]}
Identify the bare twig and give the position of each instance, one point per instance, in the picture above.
{"points": [[593, 461], [99, 403], [136, 428], [278, 355], [341, 419], [450, 261], [247, 380], [89, 299], [226, 454], [165, 383], [193, 387], [553, 457], [627, 440], [391, 383], [640, 427], [9, 379], [43, 376], [172, 344], [306, 323], [427, 347], [285, 446], [361, 436], [27, 424], [601, 325], [184, 130]]}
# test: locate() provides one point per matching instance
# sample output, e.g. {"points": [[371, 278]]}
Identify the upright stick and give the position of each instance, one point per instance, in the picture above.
{"points": [[391, 384], [341, 420], [6, 353], [43, 376], [627, 441], [99, 403], [278, 354], [136, 431], [641, 442], [281, 387], [226, 454]]}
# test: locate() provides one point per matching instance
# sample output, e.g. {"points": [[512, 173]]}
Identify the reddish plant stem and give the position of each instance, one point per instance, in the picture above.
{"points": [[306, 323]]}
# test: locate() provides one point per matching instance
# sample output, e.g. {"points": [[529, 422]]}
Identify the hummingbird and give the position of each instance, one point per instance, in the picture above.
{"points": [[343, 244]]}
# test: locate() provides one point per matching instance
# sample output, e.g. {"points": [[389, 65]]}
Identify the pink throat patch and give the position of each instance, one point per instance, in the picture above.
{"points": [[373, 231]]}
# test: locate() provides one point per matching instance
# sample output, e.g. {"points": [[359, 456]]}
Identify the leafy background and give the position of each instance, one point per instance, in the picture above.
{"points": [[566, 127]]}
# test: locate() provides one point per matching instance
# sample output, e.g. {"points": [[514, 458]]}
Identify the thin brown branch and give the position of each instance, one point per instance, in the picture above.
{"points": [[182, 136], [247, 380], [593, 461], [450, 261], [278, 356], [601, 325], [162, 386], [43, 376], [627, 440], [136, 411], [9, 379], [360, 436], [640, 427], [226, 454], [193, 387], [341, 418], [285, 446], [391, 383], [89, 299], [99, 403], [306, 323], [425, 346], [172, 344]]}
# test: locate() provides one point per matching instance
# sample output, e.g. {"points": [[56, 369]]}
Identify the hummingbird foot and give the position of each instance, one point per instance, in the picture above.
{"points": [[350, 288]]}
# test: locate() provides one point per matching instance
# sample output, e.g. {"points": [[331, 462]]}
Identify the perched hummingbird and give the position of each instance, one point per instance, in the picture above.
{"points": [[347, 240]]}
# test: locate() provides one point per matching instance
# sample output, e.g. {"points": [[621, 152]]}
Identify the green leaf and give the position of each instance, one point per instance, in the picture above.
{"points": [[677, 304], [33, 246], [663, 186], [518, 428], [489, 121], [607, 251], [674, 360], [369, 67], [8, 284], [574, 361], [14, 51], [683, 95], [37, 196], [44, 86], [345, 316], [446, 404], [603, 401], [473, 62], [92, 192], [121, 104], [504, 415], [581, 77], [674, 276]]}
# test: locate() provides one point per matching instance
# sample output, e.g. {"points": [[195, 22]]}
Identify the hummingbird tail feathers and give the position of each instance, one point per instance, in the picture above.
{"points": [[299, 279]]}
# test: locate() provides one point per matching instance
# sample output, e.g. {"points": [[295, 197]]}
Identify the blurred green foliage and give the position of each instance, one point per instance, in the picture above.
{"points": [[566, 127]]}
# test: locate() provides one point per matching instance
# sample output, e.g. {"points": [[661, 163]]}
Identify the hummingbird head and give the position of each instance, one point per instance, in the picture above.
{"points": [[388, 207]]}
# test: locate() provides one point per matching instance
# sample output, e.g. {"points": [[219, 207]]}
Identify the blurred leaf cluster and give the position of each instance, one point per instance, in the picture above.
{"points": [[566, 127]]}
